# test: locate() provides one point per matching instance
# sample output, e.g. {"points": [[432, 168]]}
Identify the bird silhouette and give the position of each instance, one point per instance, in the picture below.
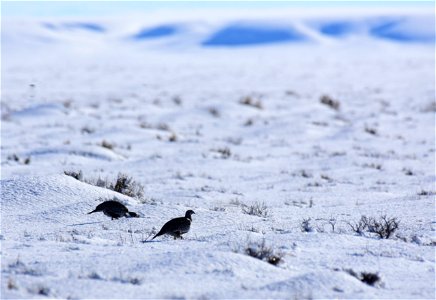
{"points": [[114, 209], [178, 226]]}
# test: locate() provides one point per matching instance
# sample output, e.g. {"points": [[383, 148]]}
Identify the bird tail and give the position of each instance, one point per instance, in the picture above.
{"points": [[95, 210], [158, 234]]}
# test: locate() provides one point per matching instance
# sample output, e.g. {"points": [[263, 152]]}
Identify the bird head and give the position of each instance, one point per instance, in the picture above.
{"points": [[189, 214], [132, 214]]}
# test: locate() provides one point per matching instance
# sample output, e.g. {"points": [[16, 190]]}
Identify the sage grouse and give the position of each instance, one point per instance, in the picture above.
{"points": [[178, 226], [114, 209]]}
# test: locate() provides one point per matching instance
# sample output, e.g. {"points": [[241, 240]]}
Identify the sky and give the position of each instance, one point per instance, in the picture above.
{"points": [[104, 8]]}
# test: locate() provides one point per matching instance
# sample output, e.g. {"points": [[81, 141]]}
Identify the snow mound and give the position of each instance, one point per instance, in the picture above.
{"points": [[64, 194], [319, 284], [39, 110]]}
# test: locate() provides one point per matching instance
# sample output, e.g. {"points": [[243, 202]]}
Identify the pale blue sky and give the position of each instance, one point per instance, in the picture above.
{"points": [[101, 8]]}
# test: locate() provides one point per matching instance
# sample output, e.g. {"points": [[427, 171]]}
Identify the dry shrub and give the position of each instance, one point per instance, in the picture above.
{"points": [[330, 102], [256, 209], [366, 277], [384, 226], [250, 101], [263, 252], [123, 184]]}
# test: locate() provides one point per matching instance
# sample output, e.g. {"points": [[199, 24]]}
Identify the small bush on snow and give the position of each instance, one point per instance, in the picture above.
{"points": [[130, 280], [40, 290], [426, 193], [94, 275], [127, 186], [366, 277], [12, 285], [359, 226], [408, 172], [384, 226], [18, 267], [256, 209], [123, 184], [214, 112], [15, 158], [75, 175], [371, 130], [87, 130], [305, 225], [225, 152], [177, 100], [373, 166], [369, 278], [107, 145], [250, 101], [172, 137], [330, 102], [263, 252]]}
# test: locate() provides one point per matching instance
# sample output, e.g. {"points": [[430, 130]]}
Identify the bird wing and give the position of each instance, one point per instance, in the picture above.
{"points": [[181, 224]]}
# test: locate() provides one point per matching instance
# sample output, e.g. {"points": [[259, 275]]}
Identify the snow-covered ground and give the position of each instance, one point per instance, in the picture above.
{"points": [[161, 99]]}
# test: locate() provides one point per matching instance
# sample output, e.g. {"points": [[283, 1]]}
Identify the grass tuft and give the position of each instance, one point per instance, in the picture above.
{"points": [[256, 209]]}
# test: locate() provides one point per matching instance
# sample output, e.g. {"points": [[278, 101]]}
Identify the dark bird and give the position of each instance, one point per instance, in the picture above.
{"points": [[114, 209], [178, 226]]}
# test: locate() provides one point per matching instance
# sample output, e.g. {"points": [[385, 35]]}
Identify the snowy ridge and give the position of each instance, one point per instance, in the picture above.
{"points": [[37, 194], [252, 31]]}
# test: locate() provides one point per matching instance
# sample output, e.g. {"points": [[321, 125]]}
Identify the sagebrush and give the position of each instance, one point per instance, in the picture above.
{"points": [[263, 252], [123, 184]]}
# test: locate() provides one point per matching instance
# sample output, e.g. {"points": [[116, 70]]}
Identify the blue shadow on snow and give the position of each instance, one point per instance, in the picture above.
{"points": [[156, 32], [337, 29], [392, 30], [75, 25], [242, 35]]}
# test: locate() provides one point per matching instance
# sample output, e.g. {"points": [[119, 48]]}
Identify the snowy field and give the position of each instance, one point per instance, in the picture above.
{"points": [[317, 120]]}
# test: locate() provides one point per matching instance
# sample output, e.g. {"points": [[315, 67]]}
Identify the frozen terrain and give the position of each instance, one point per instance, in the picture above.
{"points": [[217, 113]]}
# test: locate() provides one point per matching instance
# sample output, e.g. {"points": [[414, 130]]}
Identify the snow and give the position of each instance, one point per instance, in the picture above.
{"points": [[75, 85]]}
